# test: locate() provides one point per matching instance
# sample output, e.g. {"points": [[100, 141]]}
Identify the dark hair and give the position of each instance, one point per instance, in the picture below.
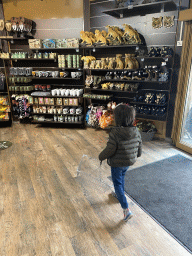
{"points": [[124, 115]]}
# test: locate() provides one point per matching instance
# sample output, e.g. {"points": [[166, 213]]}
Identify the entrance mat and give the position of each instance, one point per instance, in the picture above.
{"points": [[164, 190], [5, 144]]}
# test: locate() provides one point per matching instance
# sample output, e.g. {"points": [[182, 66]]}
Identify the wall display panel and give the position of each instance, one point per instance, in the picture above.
{"points": [[143, 24]]}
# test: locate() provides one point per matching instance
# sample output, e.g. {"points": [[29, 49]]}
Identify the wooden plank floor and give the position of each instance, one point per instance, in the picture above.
{"points": [[43, 210]]}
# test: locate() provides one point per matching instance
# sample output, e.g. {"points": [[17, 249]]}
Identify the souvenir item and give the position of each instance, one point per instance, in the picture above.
{"points": [[41, 100], [46, 101], [70, 101], [75, 102], [51, 101], [157, 22], [66, 102], [168, 21], [59, 101]]}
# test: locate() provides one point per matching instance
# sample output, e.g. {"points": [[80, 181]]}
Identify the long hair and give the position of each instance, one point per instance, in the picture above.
{"points": [[124, 115]]}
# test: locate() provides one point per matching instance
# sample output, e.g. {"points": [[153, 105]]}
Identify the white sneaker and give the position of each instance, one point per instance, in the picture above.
{"points": [[127, 214]]}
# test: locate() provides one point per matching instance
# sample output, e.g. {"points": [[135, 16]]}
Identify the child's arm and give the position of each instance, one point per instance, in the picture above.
{"points": [[110, 148]]}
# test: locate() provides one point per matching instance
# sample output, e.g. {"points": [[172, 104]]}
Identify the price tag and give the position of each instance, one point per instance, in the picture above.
{"points": [[137, 48], [130, 7], [163, 63], [142, 59], [94, 49], [77, 50], [166, 59]]}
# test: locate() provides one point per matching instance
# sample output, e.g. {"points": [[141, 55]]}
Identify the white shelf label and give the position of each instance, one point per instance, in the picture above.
{"points": [[179, 43], [142, 59], [130, 6]]}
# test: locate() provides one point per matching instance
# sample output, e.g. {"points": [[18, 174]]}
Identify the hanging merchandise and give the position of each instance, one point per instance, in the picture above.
{"points": [[2, 81], [157, 22], [168, 21]]}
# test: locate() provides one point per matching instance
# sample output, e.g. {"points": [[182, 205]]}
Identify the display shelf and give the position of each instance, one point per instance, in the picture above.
{"points": [[69, 85], [47, 105], [148, 104], [26, 59], [33, 113], [56, 96], [55, 122], [112, 70], [133, 81], [151, 117], [142, 9], [53, 78], [93, 47], [55, 49], [118, 91]]}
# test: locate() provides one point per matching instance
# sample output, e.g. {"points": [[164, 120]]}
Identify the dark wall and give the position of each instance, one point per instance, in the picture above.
{"points": [[153, 37]]}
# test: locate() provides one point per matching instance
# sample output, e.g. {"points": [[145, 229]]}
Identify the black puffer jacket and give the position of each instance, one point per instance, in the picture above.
{"points": [[123, 147]]}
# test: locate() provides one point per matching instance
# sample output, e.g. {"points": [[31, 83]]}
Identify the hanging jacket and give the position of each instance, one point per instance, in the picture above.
{"points": [[123, 147]]}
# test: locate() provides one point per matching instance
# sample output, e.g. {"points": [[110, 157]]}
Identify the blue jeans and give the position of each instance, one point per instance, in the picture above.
{"points": [[118, 175]]}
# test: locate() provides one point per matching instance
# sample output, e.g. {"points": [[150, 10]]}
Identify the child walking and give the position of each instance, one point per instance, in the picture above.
{"points": [[123, 147]]}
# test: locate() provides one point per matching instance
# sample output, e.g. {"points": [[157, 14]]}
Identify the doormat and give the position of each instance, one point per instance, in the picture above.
{"points": [[164, 190], [5, 144]]}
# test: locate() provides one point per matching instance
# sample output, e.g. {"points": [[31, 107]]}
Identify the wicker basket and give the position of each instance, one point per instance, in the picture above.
{"points": [[147, 136]]}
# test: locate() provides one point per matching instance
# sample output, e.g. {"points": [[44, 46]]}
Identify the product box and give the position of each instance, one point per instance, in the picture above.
{"points": [[65, 101], [75, 102], [46, 101], [41, 101], [48, 43], [61, 43], [70, 102], [59, 101], [51, 101], [35, 101], [73, 43], [35, 43]]}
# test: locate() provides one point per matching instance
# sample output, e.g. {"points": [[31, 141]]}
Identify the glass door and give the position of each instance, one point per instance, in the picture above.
{"points": [[185, 142]]}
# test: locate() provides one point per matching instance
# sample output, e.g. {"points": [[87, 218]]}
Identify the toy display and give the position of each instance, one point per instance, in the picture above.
{"points": [[118, 62], [150, 110], [114, 36], [151, 98]]}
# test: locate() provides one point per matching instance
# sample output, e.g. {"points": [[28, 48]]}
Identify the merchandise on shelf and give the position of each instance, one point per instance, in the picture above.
{"points": [[48, 43], [2, 81], [118, 62], [96, 96], [21, 106], [4, 55], [69, 61], [114, 36], [35, 43]]}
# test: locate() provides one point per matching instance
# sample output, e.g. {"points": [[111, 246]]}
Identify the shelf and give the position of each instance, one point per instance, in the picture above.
{"points": [[55, 49], [61, 78], [53, 122], [151, 117], [46, 105], [93, 47], [149, 104], [56, 96], [26, 59], [133, 81], [112, 70], [111, 90], [15, 38], [142, 9], [32, 113]]}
